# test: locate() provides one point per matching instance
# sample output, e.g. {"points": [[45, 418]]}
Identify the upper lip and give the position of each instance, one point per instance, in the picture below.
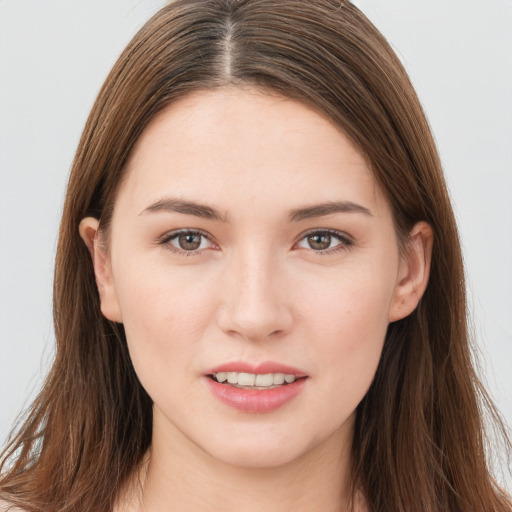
{"points": [[257, 369]]}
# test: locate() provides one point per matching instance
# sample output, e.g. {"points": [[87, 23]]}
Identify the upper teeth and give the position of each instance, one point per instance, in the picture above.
{"points": [[251, 379]]}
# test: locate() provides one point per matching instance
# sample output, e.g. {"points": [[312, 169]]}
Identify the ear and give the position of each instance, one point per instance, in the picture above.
{"points": [[413, 273], [90, 234]]}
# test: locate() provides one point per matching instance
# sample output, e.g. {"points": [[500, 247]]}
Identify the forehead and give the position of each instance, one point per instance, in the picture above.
{"points": [[231, 143]]}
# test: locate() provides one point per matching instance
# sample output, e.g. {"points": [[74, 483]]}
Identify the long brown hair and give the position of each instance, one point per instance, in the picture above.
{"points": [[419, 432]]}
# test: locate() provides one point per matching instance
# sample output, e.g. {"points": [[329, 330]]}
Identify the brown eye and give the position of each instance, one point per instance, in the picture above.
{"points": [[189, 241], [325, 241], [319, 241]]}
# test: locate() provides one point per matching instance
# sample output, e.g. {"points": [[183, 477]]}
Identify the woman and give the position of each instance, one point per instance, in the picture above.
{"points": [[259, 292]]}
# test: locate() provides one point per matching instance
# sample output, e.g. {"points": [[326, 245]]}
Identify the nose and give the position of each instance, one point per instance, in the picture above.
{"points": [[255, 299]]}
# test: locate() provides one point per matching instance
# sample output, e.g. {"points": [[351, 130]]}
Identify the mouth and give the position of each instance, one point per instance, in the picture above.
{"points": [[257, 381], [258, 391]]}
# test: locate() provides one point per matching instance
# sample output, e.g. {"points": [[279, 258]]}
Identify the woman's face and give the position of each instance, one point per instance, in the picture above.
{"points": [[249, 237]]}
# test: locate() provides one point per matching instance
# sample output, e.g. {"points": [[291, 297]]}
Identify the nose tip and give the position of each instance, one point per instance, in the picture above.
{"points": [[255, 305]]}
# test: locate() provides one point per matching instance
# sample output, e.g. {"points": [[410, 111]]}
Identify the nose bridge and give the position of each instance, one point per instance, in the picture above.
{"points": [[255, 304]]}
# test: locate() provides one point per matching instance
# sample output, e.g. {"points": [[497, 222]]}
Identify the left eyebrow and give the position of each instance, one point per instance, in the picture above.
{"points": [[320, 210], [170, 204]]}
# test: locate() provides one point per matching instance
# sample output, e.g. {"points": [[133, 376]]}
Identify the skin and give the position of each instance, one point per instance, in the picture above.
{"points": [[255, 290]]}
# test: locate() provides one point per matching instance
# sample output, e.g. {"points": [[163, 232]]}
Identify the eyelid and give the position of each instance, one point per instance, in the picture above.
{"points": [[171, 235], [346, 241]]}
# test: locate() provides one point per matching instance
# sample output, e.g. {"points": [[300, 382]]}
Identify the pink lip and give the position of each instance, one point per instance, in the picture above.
{"points": [[253, 400], [261, 368]]}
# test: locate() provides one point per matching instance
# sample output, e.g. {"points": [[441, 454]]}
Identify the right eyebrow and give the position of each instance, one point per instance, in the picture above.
{"points": [[171, 204]]}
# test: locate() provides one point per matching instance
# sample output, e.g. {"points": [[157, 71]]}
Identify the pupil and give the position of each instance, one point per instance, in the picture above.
{"points": [[319, 242], [190, 241]]}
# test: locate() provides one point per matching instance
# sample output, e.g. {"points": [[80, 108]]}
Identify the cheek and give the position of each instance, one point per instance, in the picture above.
{"points": [[351, 306], [347, 324], [165, 314]]}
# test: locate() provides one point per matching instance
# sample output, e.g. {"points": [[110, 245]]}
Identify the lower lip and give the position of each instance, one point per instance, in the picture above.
{"points": [[253, 400]]}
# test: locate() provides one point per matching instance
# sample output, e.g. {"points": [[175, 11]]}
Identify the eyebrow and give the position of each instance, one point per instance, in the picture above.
{"points": [[174, 205], [320, 210], [186, 207]]}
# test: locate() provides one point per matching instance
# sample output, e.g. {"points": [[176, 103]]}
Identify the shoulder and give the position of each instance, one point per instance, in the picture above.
{"points": [[6, 507]]}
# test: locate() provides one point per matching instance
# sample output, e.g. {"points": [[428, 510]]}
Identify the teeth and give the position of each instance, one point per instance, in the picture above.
{"points": [[265, 380], [278, 378], [250, 379], [246, 379]]}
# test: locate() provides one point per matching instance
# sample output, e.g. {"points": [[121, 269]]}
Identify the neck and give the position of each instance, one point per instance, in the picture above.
{"points": [[179, 475]]}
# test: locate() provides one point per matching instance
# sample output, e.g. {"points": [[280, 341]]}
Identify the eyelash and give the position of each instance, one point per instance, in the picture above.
{"points": [[345, 241], [173, 235]]}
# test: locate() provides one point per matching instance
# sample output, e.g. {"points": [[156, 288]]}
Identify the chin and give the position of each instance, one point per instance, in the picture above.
{"points": [[256, 456], [260, 450]]}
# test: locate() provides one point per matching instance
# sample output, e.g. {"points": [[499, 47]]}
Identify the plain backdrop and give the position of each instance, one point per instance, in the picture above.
{"points": [[54, 56]]}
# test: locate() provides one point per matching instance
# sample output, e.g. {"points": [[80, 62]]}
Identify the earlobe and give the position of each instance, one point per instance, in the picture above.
{"points": [[414, 272], [89, 232]]}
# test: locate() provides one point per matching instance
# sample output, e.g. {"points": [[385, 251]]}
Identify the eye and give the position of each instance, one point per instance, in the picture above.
{"points": [[186, 240], [325, 241]]}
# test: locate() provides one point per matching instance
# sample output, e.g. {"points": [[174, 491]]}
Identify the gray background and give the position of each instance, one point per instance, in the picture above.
{"points": [[54, 56]]}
